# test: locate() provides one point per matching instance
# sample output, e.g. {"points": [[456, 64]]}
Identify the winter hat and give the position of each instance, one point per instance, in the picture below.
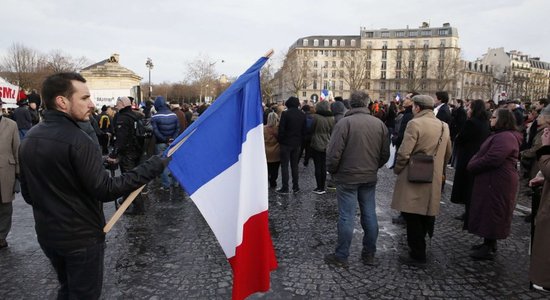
{"points": [[424, 101], [292, 102], [123, 102]]}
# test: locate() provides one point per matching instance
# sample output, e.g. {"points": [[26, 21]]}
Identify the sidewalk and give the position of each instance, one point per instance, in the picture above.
{"points": [[170, 253]]}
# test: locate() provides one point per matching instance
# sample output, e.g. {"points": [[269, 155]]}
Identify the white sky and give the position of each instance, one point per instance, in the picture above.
{"points": [[173, 32]]}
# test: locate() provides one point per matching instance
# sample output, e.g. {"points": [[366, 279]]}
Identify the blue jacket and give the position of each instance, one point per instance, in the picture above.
{"points": [[165, 122]]}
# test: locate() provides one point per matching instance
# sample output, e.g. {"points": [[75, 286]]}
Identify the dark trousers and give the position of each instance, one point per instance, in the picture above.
{"points": [[306, 149], [104, 142], [290, 155], [128, 161], [6, 210], [273, 173], [79, 271], [418, 226], [319, 160]]}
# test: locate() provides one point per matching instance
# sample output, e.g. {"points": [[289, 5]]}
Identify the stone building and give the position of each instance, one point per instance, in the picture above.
{"points": [[108, 80], [476, 81], [518, 75], [383, 62]]}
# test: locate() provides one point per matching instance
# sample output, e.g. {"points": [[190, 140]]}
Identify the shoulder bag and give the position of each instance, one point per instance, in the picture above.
{"points": [[421, 166]]}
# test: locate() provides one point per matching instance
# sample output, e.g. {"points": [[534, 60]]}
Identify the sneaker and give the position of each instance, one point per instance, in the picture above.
{"points": [[367, 259], [333, 260], [283, 191], [319, 191]]}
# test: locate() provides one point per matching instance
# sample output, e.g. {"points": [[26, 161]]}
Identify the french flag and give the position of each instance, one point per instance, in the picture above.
{"points": [[220, 160]]}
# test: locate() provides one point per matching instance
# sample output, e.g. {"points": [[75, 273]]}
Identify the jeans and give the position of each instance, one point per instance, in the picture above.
{"points": [[290, 154], [348, 195], [79, 271], [22, 133], [165, 176], [319, 160]]}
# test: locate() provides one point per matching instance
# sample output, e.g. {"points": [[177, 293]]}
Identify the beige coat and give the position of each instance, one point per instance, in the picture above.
{"points": [[539, 272], [272, 149], [421, 136], [9, 158]]}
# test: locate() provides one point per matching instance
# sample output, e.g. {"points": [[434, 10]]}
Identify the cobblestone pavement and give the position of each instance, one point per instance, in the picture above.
{"points": [[170, 253]]}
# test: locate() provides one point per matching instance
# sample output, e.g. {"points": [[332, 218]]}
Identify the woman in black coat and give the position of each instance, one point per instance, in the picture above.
{"points": [[467, 143]]}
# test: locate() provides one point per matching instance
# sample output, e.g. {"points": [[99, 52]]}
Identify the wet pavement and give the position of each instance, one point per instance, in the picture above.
{"points": [[170, 253]]}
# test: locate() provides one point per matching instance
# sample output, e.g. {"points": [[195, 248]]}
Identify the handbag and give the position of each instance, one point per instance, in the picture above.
{"points": [[421, 166]]}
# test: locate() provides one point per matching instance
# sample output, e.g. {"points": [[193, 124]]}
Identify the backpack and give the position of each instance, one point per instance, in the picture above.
{"points": [[104, 122], [142, 129]]}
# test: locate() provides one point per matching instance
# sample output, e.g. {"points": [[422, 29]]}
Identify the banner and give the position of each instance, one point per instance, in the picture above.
{"points": [[8, 93]]}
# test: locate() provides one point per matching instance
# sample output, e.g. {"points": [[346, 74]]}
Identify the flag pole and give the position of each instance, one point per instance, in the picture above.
{"points": [[135, 193]]}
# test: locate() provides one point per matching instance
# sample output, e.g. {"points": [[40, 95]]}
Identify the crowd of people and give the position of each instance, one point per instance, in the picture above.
{"points": [[64, 173], [349, 140]]}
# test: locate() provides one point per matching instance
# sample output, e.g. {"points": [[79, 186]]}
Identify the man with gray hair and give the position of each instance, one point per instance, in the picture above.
{"points": [[358, 147]]}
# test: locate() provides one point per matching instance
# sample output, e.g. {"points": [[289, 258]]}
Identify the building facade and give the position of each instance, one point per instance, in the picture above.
{"points": [[476, 81], [108, 80], [517, 75], [383, 62]]}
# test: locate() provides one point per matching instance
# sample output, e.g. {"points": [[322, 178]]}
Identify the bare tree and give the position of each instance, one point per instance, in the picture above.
{"points": [[266, 81], [296, 67], [201, 73], [413, 69], [447, 70], [23, 66], [355, 69], [57, 61]]}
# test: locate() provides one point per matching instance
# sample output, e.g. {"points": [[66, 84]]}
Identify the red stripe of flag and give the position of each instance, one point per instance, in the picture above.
{"points": [[254, 258]]}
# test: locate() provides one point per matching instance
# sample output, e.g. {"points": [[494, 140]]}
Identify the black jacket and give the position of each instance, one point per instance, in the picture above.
{"points": [[292, 128], [444, 114], [407, 116], [63, 178]]}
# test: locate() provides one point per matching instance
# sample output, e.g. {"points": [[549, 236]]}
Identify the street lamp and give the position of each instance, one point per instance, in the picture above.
{"points": [[149, 65]]}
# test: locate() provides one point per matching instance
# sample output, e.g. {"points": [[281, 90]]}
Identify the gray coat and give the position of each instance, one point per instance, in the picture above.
{"points": [[9, 158], [358, 147]]}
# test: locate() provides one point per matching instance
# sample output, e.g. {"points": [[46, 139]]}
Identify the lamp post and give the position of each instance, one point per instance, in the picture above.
{"points": [[149, 64]]}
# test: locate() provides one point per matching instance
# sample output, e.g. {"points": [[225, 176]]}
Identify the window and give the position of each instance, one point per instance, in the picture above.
{"points": [[426, 33], [368, 65], [369, 34], [326, 64], [424, 64], [315, 42], [384, 54], [398, 74], [384, 45], [315, 64], [342, 43], [442, 43], [385, 34], [326, 43], [332, 85], [383, 75], [398, 64], [304, 94], [334, 64], [399, 44], [352, 64], [305, 42], [384, 64], [369, 54], [367, 85], [382, 85], [353, 43], [304, 85], [333, 74], [413, 33], [314, 84], [400, 33], [341, 85], [352, 53], [399, 54], [424, 74], [341, 73], [398, 86], [426, 44], [325, 74], [411, 64], [410, 74], [442, 53], [412, 44], [334, 53], [315, 53], [443, 31]]}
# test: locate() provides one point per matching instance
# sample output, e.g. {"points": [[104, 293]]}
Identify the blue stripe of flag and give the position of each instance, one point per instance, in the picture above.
{"points": [[214, 140]]}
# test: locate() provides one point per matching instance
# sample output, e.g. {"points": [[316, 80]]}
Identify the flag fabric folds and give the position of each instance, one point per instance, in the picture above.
{"points": [[220, 161]]}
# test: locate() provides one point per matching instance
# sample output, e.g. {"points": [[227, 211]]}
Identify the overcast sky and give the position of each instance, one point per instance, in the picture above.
{"points": [[173, 32]]}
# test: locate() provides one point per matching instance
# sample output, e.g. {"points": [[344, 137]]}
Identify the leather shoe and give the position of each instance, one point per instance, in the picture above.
{"points": [[332, 259], [408, 260], [482, 253]]}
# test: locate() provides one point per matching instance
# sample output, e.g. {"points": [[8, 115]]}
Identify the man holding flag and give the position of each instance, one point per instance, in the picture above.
{"points": [[227, 179]]}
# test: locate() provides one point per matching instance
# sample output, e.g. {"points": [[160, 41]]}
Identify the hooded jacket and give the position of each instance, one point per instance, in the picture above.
{"points": [[165, 123]]}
